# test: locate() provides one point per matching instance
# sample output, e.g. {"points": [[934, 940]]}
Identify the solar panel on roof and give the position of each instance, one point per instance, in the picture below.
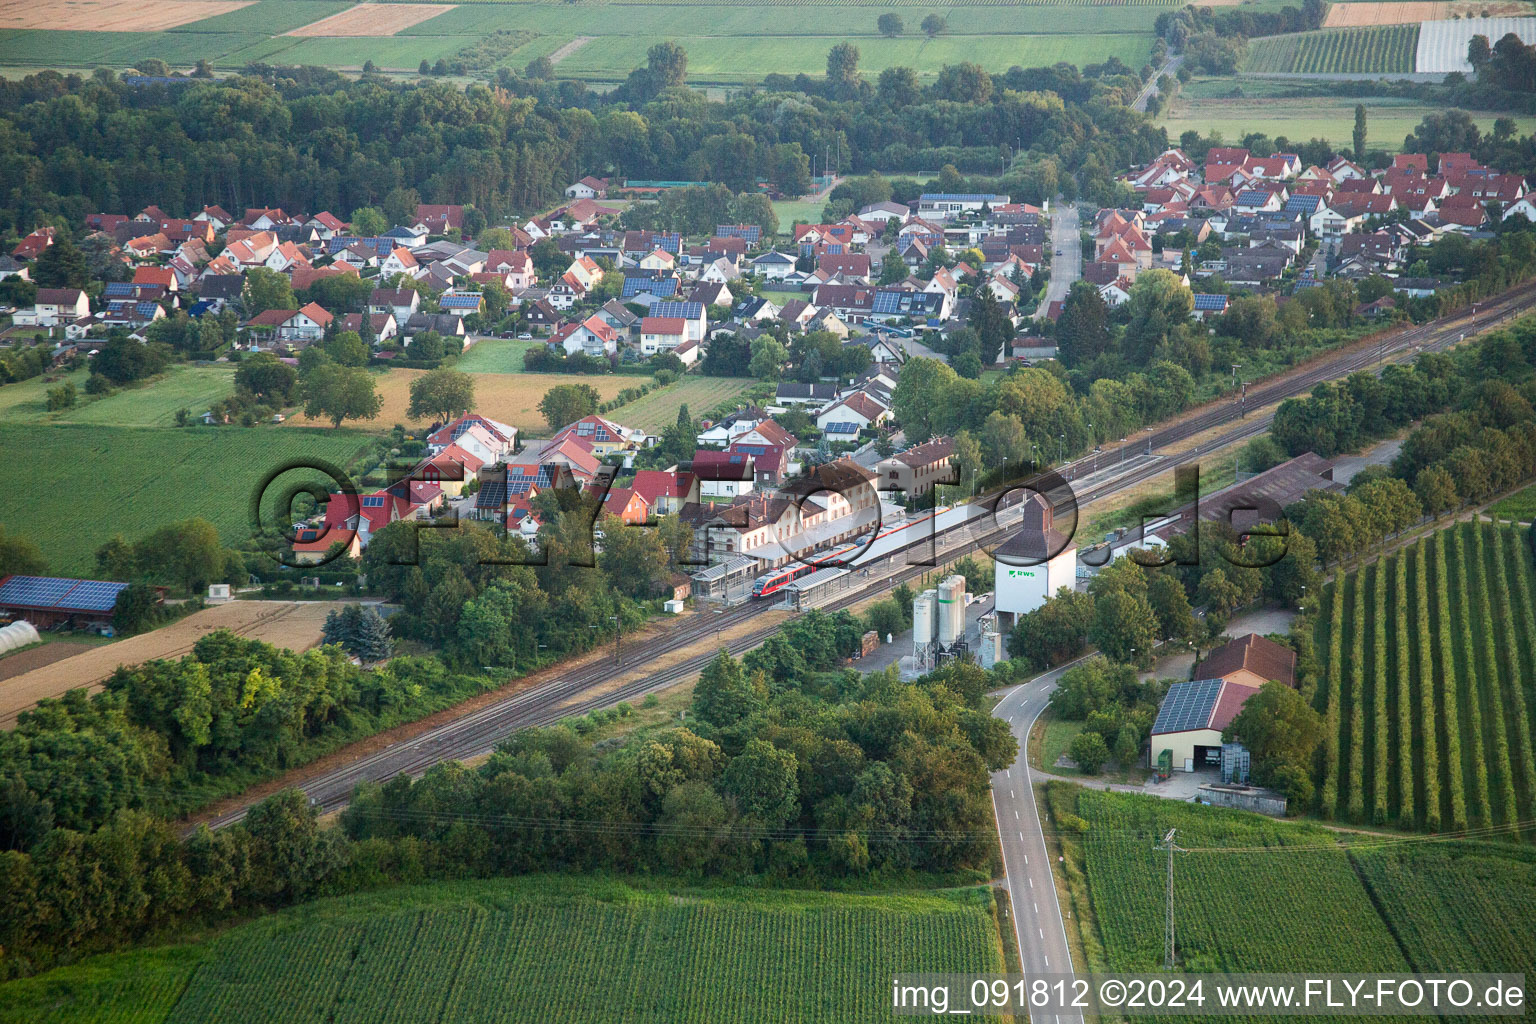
{"points": [[1188, 706], [93, 595]]}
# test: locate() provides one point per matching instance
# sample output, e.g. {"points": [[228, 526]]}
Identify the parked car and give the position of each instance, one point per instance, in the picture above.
{"points": [[525, 336]]}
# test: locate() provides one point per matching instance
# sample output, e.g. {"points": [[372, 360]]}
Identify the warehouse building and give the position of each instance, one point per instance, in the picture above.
{"points": [[1187, 734]]}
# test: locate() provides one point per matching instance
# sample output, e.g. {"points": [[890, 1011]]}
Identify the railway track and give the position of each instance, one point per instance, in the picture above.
{"points": [[479, 731]]}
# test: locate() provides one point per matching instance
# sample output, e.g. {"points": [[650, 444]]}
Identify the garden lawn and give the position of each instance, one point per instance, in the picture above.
{"points": [[496, 355]]}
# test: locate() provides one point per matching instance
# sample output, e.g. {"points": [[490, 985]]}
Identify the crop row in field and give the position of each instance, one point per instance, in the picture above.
{"points": [[1428, 670], [1382, 49], [543, 950], [104, 480], [269, 17], [1258, 895]]}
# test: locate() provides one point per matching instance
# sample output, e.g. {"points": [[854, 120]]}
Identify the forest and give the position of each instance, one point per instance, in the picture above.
{"points": [[309, 139]]}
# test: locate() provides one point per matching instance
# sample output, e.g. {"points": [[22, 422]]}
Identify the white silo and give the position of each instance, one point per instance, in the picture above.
{"points": [[922, 617], [951, 610]]}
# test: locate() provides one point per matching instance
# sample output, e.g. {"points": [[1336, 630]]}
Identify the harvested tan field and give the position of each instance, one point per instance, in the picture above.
{"points": [[112, 15], [1360, 14], [510, 397], [372, 20], [293, 624]]}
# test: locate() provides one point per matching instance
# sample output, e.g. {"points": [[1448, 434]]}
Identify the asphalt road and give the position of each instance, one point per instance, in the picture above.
{"points": [[1067, 267], [1037, 919], [587, 688], [1150, 89]]}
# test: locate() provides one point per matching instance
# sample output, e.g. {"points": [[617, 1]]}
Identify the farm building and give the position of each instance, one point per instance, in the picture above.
{"points": [[1251, 660], [48, 601], [1191, 719]]}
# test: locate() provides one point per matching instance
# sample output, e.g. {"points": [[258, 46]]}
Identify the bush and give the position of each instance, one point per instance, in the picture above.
{"points": [[1089, 751]]}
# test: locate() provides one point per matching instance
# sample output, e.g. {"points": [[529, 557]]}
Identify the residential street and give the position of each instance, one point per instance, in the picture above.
{"points": [[1068, 266]]}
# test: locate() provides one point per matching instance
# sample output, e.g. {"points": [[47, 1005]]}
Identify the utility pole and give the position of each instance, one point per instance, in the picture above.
{"points": [[1168, 950]]}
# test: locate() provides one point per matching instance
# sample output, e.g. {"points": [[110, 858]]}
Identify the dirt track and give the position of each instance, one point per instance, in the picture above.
{"points": [[285, 623]]}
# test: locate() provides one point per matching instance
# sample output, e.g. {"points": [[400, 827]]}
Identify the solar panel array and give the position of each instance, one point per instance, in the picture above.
{"points": [[681, 310], [659, 287], [56, 592], [1210, 302], [1188, 706]]}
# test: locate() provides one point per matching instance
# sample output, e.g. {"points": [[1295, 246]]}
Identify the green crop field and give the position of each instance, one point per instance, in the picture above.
{"points": [[1388, 121], [1254, 894], [1429, 663], [154, 404], [536, 949], [1520, 506], [1379, 49], [726, 43], [88, 483], [700, 394]]}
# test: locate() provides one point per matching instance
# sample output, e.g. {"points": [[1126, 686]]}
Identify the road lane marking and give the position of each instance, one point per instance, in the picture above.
{"points": [[1015, 814], [1037, 908], [1031, 881], [1041, 931], [1010, 794]]}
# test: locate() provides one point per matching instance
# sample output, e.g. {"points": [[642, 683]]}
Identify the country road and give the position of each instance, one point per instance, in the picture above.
{"points": [[1038, 926], [1114, 470]]}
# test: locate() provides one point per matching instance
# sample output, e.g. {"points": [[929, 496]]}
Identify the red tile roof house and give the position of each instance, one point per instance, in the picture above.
{"points": [[31, 247], [305, 325], [662, 333], [666, 490], [163, 276], [311, 543], [628, 505], [436, 219]]}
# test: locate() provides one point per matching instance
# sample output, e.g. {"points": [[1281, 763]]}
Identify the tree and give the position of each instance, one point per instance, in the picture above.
{"points": [[768, 355], [843, 71], [369, 221], [340, 393], [566, 403], [724, 695], [667, 63], [764, 783], [266, 289], [1279, 727], [1359, 135], [1124, 628], [1159, 304], [61, 397], [1089, 751], [266, 377], [135, 608], [442, 394], [1175, 619], [992, 325], [935, 25], [540, 69], [1082, 331], [20, 556], [890, 24], [898, 87], [400, 205], [122, 360], [61, 265]]}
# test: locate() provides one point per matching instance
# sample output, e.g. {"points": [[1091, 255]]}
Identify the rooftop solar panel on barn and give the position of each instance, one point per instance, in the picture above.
{"points": [[1188, 706]]}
